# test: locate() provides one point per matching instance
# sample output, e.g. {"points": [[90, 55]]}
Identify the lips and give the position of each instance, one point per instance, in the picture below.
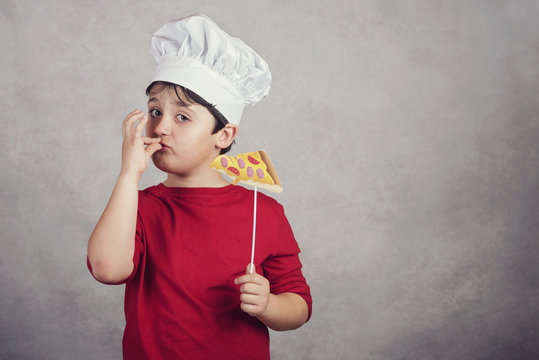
{"points": [[164, 146]]}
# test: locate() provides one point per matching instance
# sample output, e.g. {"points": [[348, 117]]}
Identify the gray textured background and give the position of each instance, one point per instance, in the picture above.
{"points": [[406, 135]]}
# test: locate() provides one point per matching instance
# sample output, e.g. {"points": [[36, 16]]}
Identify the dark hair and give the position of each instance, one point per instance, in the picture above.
{"points": [[194, 98]]}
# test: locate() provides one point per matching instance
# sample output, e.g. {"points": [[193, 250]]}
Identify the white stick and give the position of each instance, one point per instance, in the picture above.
{"points": [[254, 231]]}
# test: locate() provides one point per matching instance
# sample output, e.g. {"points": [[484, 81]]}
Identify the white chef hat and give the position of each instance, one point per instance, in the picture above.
{"points": [[195, 53]]}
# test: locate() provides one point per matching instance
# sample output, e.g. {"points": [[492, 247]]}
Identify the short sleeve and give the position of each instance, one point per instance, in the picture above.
{"points": [[139, 246], [137, 254], [283, 267]]}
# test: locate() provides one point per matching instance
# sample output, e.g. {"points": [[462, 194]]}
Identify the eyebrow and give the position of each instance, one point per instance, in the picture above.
{"points": [[187, 107], [177, 103]]}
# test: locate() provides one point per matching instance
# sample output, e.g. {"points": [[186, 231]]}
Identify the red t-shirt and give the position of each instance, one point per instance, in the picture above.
{"points": [[191, 243]]}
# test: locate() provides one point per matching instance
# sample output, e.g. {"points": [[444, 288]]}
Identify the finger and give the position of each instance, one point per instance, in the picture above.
{"points": [[132, 129], [140, 126], [130, 122], [149, 140], [252, 310], [249, 299], [250, 288], [126, 121], [251, 269], [248, 277], [251, 278], [152, 148]]}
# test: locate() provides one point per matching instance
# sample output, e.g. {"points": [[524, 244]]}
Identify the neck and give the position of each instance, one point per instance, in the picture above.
{"points": [[209, 178]]}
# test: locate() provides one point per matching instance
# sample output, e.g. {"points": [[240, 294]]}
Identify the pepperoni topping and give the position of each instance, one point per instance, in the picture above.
{"points": [[252, 160], [250, 171], [241, 163], [233, 170], [260, 173], [224, 162]]}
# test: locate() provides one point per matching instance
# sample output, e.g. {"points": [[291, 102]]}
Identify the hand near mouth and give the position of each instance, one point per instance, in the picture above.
{"points": [[135, 155]]}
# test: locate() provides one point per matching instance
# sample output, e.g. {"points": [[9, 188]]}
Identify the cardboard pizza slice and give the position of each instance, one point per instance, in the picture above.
{"points": [[252, 168]]}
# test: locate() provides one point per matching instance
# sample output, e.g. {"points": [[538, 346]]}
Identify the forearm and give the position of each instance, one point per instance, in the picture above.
{"points": [[112, 243], [286, 311]]}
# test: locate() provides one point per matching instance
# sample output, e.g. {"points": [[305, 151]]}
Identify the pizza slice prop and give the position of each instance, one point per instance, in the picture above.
{"points": [[255, 169]]}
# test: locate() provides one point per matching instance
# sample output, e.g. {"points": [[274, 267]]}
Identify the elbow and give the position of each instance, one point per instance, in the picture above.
{"points": [[108, 274], [110, 278], [287, 326]]}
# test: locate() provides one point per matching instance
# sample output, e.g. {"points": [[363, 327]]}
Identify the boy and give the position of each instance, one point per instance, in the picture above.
{"points": [[181, 246]]}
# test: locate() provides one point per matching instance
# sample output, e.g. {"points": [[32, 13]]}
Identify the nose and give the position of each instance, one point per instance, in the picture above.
{"points": [[161, 126]]}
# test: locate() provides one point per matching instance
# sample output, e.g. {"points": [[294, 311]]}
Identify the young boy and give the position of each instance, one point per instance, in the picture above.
{"points": [[181, 246]]}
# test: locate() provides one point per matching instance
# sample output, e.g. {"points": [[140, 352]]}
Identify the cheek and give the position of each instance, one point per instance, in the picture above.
{"points": [[199, 138], [149, 128]]}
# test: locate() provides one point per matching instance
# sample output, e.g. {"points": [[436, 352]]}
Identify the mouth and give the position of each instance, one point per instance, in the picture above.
{"points": [[165, 147]]}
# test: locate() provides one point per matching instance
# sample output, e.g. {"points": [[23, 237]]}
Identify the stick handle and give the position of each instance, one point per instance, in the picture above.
{"points": [[254, 232]]}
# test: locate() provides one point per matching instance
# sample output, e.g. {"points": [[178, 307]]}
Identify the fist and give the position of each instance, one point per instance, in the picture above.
{"points": [[254, 292]]}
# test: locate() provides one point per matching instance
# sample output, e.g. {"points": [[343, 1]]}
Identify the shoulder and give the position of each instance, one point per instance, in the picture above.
{"points": [[149, 192], [261, 198], [271, 204], [269, 210], [150, 195]]}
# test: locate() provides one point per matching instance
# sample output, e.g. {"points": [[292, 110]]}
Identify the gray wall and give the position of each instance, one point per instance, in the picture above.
{"points": [[406, 135]]}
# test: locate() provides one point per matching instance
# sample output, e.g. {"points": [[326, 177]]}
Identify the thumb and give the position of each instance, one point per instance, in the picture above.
{"points": [[249, 266]]}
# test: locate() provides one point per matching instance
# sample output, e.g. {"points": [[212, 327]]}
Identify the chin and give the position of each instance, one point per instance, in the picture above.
{"points": [[161, 165], [168, 168]]}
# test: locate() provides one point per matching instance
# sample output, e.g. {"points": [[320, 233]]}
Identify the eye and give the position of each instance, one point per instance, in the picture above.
{"points": [[182, 118], [155, 113]]}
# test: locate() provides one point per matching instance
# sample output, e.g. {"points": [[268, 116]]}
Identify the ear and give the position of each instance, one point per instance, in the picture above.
{"points": [[226, 135]]}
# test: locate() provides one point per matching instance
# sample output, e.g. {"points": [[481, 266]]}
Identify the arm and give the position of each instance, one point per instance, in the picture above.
{"points": [[112, 243], [286, 311]]}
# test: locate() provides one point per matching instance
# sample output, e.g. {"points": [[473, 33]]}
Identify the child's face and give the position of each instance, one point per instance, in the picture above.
{"points": [[185, 131]]}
